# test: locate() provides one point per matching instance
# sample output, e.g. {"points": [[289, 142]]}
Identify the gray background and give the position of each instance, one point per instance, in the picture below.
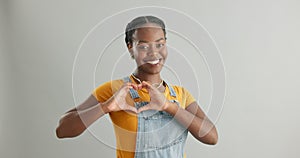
{"points": [[258, 41]]}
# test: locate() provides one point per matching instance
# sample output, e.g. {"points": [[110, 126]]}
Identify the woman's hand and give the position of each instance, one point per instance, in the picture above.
{"points": [[157, 99], [118, 101]]}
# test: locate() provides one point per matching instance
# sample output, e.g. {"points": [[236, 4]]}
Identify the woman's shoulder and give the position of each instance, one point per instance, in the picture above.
{"points": [[177, 87], [105, 90], [180, 90]]}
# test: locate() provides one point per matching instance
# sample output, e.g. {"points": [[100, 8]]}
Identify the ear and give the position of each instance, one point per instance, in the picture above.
{"points": [[129, 47]]}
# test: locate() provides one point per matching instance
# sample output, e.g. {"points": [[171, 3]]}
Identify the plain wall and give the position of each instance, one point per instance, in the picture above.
{"points": [[3, 69], [258, 41], [8, 140]]}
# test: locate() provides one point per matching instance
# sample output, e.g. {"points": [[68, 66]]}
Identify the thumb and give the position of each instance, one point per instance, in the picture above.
{"points": [[131, 108], [144, 108]]}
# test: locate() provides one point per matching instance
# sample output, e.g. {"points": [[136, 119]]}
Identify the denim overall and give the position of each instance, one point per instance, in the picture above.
{"points": [[158, 133]]}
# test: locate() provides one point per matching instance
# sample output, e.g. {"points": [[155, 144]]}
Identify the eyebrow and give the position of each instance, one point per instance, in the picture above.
{"points": [[142, 41]]}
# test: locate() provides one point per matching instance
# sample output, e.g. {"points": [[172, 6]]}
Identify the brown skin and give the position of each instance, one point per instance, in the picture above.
{"points": [[193, 118], [76, 120], [148, 33]]}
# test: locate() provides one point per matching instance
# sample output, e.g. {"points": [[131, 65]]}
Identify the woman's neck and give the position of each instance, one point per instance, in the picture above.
{"points": [[152, 78]]}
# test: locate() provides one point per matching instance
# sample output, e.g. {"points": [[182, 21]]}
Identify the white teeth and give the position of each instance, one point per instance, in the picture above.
{"points": [[153, 62]]}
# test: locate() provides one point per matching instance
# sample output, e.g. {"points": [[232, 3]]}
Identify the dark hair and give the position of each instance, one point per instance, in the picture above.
{"points": [[139, 21]]}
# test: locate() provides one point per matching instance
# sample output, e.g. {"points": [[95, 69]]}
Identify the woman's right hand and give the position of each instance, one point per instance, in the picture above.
{"points": [[118, 101]]}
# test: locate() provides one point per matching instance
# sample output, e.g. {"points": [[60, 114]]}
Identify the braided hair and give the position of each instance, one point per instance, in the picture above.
{"points": [[138, 22]]}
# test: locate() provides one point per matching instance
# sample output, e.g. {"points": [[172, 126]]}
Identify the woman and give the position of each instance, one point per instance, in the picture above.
{"points": [[151, 118]]}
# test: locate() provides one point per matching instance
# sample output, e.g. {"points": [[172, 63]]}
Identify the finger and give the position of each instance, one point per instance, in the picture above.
{"points": [[146, 85], [132, 85], [128, 86], [144, 108], [140, 86]]}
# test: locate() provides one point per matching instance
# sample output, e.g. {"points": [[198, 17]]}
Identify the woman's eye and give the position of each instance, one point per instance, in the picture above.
{"points": [[160, 45], [143, 47]]}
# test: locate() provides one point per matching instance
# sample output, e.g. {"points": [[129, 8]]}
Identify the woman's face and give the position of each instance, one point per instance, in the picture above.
{"points": [[149, 48]]}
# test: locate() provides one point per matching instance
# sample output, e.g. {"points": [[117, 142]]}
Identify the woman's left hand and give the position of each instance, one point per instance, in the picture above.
{"points": [[157, 99]]}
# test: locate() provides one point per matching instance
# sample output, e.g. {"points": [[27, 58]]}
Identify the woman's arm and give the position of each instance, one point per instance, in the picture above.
{"points": [[195, 120], [77, 120]]}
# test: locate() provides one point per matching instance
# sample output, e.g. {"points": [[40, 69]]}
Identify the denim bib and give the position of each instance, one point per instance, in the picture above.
{"points": [[158, 133]]}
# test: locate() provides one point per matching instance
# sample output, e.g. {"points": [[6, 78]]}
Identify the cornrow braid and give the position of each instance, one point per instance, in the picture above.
{"points": [[138, 22]]}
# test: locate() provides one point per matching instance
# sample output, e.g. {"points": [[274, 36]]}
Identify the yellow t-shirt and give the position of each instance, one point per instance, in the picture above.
{"points": [[125, 123]]}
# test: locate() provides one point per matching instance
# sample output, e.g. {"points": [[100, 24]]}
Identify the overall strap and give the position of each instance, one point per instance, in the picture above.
{"points": [[134, 94], [172, 91]]}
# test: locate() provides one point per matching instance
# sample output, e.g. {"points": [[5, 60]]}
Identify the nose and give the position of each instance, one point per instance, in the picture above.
{"points": [[152, 50]]}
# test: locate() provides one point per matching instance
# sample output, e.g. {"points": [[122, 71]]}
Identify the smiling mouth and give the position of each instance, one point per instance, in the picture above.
{"points": [[153, 62]]}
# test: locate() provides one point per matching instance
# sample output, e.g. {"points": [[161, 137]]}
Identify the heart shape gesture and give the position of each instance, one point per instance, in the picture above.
{"points": [[118, 101]]}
